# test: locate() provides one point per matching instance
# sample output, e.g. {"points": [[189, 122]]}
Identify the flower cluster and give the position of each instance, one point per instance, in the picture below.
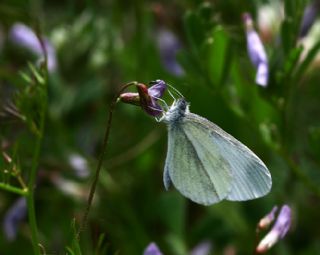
{"points": [[146, 97]]}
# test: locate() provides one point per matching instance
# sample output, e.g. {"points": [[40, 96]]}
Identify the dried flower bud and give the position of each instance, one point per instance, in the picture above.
{"points": [[278, 231], [256, 51], [130, 98]]}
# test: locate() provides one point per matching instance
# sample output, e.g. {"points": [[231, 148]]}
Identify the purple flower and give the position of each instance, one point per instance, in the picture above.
{"points": [[168, 45], [309, 17], [256, 52], [79, 165], [25, 37], [152, 249], [268, 219], [203, 248], [13, 218], [278, 231], [147, 97]]}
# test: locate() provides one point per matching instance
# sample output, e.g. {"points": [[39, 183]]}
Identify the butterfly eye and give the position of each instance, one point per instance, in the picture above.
{"points": [[182, 104]]}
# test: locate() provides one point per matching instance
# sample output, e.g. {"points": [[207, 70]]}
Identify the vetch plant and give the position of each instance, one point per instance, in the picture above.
{"points": [[31, 104], [278, 230]]}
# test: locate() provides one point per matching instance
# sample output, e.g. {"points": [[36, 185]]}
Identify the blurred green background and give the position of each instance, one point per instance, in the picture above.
{"points": [[101, 45]]}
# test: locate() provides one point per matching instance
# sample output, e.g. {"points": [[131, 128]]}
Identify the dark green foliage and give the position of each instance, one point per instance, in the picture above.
{"points": [[102, 45]]}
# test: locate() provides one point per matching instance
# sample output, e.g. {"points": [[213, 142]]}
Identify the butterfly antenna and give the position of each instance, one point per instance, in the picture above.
{"points": [[171, 95], [162, 101], [155, 109], [175, 90]]}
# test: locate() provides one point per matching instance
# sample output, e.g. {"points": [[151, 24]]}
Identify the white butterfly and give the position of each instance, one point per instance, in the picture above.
{"points": [[206, 164]]}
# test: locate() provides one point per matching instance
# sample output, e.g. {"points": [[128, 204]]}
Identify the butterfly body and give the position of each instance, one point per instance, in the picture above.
{"points": [[206, 164]]}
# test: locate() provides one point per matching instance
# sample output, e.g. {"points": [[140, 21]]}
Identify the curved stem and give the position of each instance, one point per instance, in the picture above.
{"points": [[103, 152]]}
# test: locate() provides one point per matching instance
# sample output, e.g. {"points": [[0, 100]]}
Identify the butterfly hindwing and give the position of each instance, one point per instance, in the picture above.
{"points": [[251, 178]]}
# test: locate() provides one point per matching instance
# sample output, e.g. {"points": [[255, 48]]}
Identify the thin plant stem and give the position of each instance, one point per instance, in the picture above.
{"points": [[102, 154], [8, 187], [31, 184], [35, 160]]}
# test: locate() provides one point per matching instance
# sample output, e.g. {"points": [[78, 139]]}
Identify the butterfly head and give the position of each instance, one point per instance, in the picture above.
{"points": [[176, 111]]}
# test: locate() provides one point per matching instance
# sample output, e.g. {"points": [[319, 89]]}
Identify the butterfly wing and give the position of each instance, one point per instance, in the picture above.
{"points": [[195, 166], [251, 178]]}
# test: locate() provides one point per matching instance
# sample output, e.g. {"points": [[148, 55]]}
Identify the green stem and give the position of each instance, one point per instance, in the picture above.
{"points": [[35, 160], [8, 187], [103, 152], [32, 181]]}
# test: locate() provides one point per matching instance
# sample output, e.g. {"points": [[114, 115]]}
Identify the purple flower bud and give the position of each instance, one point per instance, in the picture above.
{"points": [[152, 249], [169, 45], [147, 98], [13, 217], [309, 17], [25, 37], [278, 231], [256, 51], [130, 98], [266, 221], [203, 248]]}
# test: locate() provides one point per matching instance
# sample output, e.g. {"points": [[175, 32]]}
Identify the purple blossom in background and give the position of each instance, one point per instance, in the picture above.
{"points": [[79, 164], [203, 248], [13, 217], [147, 97], [152, 249], [278, 231], [268, 219], [168, 45], [23, 36], [256, 52], [309, 17]]}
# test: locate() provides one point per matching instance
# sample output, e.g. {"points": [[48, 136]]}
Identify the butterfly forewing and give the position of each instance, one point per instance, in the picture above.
{"points": [[195, 165], [250, 177]]}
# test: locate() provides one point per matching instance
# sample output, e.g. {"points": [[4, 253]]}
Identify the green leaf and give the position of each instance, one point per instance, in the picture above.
{"points": [[219, 58], [307, 61], [75, 246]]}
